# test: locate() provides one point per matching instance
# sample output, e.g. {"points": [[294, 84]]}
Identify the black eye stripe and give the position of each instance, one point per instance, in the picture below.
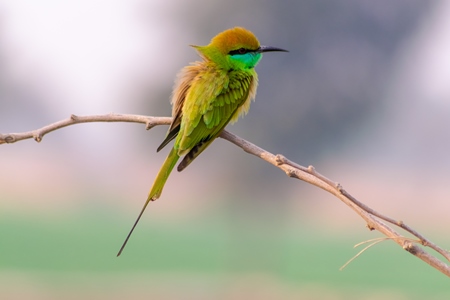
{"points": [[239, 51]]}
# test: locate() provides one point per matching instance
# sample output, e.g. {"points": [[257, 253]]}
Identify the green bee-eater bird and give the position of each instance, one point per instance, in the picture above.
{"points": [[207, 96]]}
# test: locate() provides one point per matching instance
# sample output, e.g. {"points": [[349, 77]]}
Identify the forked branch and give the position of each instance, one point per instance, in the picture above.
{"points": [[373, 218]]}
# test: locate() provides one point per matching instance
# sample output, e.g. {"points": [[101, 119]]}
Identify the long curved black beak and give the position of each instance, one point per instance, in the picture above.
{"points": [[270, 49]]}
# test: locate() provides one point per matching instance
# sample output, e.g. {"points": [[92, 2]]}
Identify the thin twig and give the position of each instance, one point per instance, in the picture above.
{"points": [[292, 169], [373, 243]]}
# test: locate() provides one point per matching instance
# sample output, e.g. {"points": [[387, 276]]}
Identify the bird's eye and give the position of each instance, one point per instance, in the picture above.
{"points": [[238, 51]]}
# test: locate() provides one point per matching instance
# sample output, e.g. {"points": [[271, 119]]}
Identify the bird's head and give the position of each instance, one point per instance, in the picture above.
{"points": [[236, 48]]}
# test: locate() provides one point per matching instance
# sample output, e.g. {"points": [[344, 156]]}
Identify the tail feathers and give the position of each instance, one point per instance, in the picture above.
{"points": [[170, 136], [132, 228], [156, 189], [195, 151]]}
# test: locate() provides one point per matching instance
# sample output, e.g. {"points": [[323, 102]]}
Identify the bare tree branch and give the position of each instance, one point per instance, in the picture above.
{"points": [[38, 134], [371, 217]]}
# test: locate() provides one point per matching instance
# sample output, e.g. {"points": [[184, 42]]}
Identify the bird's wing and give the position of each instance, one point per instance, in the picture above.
{"points": [[182, 85], [214, 99]]}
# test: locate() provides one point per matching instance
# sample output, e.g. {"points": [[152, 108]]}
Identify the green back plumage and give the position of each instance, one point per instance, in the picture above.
{"points": [[210, 94], [208, 110], [210, 103]]}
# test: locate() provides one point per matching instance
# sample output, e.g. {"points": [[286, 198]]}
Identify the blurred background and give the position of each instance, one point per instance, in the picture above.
{"points": [[363, 95]]}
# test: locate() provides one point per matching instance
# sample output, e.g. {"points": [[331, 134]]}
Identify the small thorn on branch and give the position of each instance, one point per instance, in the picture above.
{"points": [[291, 173], [73, 117], [409, 247], [38, 137], [9, 139], [280, 159]]}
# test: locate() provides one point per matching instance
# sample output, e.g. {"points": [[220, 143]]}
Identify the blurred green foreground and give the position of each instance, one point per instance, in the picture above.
{"points": [[211, 258]]}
